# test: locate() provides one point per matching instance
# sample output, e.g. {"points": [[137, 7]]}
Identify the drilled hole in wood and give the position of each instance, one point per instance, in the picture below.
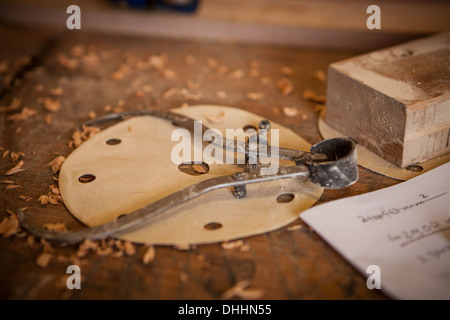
{"points": [[248, 127], [194, 168], [414, 168], [86, 178], [285, 197], [113, 142], [212, 226]]}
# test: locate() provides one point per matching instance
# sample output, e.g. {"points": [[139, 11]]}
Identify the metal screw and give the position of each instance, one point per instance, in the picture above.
{"points": [[264, 124], [239, 192], [238, 176]]}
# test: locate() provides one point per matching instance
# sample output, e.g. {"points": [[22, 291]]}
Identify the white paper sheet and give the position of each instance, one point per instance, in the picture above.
{"points": [[403, 229]]}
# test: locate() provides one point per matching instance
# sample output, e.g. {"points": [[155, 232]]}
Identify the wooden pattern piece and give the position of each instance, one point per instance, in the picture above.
{"points": [[395, 101], [138, 171]]}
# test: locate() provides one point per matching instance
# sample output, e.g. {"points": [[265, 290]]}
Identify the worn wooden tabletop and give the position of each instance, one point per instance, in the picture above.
{"points": [[89, 73]]}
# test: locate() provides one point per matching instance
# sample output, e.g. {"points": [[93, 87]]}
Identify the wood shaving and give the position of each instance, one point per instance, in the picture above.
{"points": [[290, 111], [56, 91], [10, 226], [15, 104], [23, 115], [54, 190], [255, 95], [48, 119], [57, 226], [30, 241], [285, 86], [8, 182], [67, 62], [92, 115], [4, 66], [46, 245], [170, 92], [182, 247], [240, 290], [320, 75], [77, 50], [86, 246], [218, 118], [50, 199], [44, 259], [169, 74], [311, 95], [245, 247], [287, 71], [55, 164], [183, 277], [129, 248], [5, 153], [137, 93], [16, 169], [26, 198], [221, 94], [236, 74], [12, 186], [229, 245], [149, 255], [107, 108], [294, 227], [319, 108], [186, 94], [192, 84], [43, 200], [198, 168], [18, 130], [15, 156], [157, 61], [76, 139]]}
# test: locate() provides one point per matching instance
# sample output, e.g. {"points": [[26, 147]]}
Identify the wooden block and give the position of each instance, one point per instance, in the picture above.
{"points": [[395, 101]]}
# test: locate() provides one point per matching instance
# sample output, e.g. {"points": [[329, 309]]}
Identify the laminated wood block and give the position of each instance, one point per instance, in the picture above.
{"points": [[395, 101]]}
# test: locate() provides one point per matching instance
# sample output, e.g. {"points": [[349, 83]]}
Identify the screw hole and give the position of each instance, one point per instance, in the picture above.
{"points": [[193, 168], [212, 226], [248, 127], [285, 198], [113, 142], [86, 178], [414, 168]]}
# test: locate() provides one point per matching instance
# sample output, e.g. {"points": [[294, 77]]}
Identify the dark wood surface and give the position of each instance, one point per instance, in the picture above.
{"points": [[282, 264]]}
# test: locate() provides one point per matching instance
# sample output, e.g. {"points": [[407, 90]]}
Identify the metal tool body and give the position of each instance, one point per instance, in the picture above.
{"points": [[330, 164]]}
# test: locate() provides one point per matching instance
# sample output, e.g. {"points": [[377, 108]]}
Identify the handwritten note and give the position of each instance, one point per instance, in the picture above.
{"points": [[403, 229]]}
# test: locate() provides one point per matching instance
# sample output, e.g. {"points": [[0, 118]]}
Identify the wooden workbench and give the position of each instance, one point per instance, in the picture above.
{"points": [[282, 264]]}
